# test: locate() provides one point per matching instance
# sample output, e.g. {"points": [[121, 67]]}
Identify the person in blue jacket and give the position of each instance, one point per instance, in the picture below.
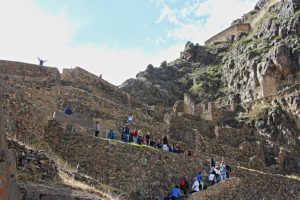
{"points": [[176, 193], [68, 110]]}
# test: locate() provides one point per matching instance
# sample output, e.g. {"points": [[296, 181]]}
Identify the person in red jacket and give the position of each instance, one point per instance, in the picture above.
{"points": [[134, 135]]}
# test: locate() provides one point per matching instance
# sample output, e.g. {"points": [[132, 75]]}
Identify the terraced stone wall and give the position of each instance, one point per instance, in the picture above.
{"points": [[131, 168]]}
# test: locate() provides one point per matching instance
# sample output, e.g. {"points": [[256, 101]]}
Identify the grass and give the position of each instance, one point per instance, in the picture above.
{"points": [[257, 110], [296, 177], [208, 80], [132, 144], [81, 186]]}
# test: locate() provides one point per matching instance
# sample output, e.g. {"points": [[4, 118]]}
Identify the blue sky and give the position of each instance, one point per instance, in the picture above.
{"points": [[116, 38]]}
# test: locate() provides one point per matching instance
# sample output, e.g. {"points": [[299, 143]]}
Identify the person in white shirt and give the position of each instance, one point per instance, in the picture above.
{"points": [[165, 147], [130, 119], [195, 187]]}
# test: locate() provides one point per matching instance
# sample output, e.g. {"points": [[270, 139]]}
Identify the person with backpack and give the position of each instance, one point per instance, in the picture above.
{"points": [[195, 187], [184, 185]]}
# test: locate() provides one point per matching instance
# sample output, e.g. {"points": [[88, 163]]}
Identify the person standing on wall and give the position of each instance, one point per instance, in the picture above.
{"points": [[41, 62]]}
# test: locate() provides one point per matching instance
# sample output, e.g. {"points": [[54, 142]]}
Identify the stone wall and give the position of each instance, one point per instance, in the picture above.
{"points": [[229, 32], [33, 165], [223, 190], [29, 74], [127, 167], [188, 105], [8, 186], [87, 81], [250, 184], [259, 185], [43, 192]]}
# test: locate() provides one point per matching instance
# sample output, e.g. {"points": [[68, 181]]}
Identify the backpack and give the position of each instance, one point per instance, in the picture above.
{"points": [[182, 183]]}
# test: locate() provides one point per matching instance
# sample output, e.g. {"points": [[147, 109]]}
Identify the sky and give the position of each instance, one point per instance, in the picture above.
{"points": [[115, 38]]}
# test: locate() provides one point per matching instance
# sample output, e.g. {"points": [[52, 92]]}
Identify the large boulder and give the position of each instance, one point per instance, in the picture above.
{"points": [[282, 58], [195, 53]]}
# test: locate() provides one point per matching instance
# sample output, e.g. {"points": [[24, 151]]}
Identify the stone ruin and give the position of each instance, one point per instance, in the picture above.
{"points": [[206, 110], [230, 33]]}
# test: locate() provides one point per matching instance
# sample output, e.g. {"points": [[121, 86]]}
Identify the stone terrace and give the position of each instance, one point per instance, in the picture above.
{"points": [[126, 167]]}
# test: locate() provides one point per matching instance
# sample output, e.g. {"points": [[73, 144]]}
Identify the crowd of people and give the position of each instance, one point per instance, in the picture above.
{"points": [[217, 173], [139, 137], [135, 136]]}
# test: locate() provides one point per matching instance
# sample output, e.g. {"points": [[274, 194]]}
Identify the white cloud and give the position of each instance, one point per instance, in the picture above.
{"points": [[204, 9], [199, 23], [169, 14], [27, 32]]}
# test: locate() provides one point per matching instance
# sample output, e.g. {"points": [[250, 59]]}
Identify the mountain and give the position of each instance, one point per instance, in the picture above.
{"points": [[235, 99]]}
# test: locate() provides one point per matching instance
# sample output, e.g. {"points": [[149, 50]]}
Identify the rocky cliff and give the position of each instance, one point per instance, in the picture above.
{"points": [[237, 99], [256, 72]]}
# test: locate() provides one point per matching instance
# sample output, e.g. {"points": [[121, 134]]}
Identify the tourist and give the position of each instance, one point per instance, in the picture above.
{"points": [[97, 129], [218, 172], [158, 144], [223, 171], [199, 176], [165, 147], [228, 170], [140, 136], [176, 193], [171, 147], [41, 62], [144, 141], [111, 134], [195, 187], [125, 134], [68, 110], [202, 185], [130, 119], [184, 185], [152, 142], [148, 138], [212, 162], [177, 149], [134, 135], [212, 176], [165, 140]]}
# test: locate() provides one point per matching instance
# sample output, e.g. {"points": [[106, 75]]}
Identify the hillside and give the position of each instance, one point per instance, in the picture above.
{"points": [[237, 98]]}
